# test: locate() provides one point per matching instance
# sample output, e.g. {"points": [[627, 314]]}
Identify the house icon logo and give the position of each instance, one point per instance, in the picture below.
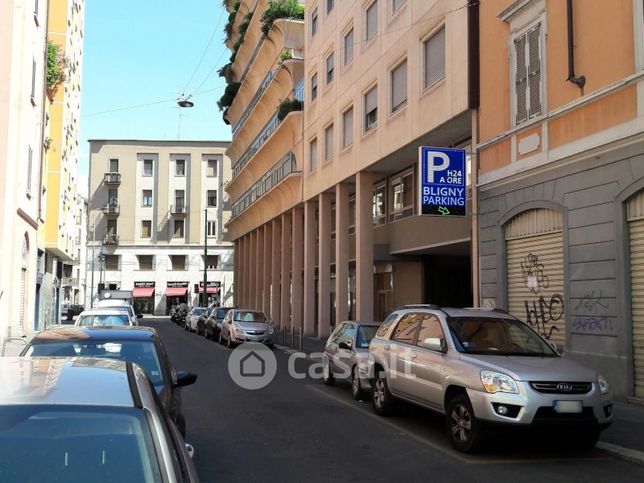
{"points": [[252, 365]]}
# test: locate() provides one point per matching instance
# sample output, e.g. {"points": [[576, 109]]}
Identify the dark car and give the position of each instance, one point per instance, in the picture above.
{"points": [[140, 345], [201, 321], [213, 323], [81, 419]]}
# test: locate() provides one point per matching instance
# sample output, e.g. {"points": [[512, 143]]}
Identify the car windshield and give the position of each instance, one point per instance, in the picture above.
{"points": [[198, 311], [76, 444], [497, 336], [142, 353], [221, 313], [248, 316], [103, 319], [364, 336]]}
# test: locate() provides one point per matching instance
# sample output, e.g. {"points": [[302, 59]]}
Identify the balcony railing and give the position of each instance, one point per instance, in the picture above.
{"points": [[269, 128], [285, 166], [112, 178], [178, 209], [111, 239], [112, 209]]}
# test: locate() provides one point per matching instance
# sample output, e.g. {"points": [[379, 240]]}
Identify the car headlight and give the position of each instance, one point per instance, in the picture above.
{"points": [[604, 387], [494, 382], [237, 328], [271, 330]]}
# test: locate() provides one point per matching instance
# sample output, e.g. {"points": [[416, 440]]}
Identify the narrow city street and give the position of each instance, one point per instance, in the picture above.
{"points": [[301, 430]]}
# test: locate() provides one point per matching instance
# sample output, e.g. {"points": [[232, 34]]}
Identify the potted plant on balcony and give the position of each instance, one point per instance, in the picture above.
{"points": [[286, 106], [280, 9], [56, 65]]}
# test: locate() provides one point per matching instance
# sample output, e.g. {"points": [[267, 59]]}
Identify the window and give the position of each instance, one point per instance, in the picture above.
{"points": [[434, 58], [146, 229], [314, 86], [212, 198], [399, 86], [313, 154], [370, 108], [212, 228], [347, 128], [212, 168], [348, 47], [111, 262], [382, 331], [372, 20], [178, 229], [112, 196], [180, 167], [179, 201], [328, 142], [33, 81], [111, 227], [430, 327], [329, 68], [379, 205], [314, 22], [213, 260], [178, 262], [147, 198], [527, 83], [30, 164], [352, 214], [329, 5], [406, 329], [114, 165], [396, 4], [402, 196], [146, 262], [147, 167]]}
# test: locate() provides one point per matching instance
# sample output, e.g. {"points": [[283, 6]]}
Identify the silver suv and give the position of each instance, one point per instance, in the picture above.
{"points": [[483, 368]]}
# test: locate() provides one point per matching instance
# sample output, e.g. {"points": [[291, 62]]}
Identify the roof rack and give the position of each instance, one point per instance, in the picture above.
{"points": [[420, 306], [495, 309]]}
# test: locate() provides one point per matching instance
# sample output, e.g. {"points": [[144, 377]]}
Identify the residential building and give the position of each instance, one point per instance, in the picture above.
{"points": [[152, 206], [381, 79], [58, 246], [22, 94], [561, 176]]}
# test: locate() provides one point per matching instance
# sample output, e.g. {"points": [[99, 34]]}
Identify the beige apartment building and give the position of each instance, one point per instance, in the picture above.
{"points": [[381, 79], [152, 206]]}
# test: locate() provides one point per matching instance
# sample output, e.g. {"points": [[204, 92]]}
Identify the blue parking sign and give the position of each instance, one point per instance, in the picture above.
{"points": [[441, 188]]}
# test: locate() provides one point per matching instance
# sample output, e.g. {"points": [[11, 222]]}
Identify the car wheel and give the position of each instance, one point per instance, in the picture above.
{"points": [[463, 429], [229, 342], [382, 399], [586, 439], [356, 388], [327, 375], [220, 339]]}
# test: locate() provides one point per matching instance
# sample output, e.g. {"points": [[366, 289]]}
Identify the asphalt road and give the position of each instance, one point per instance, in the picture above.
{"points": [[300, 430]]}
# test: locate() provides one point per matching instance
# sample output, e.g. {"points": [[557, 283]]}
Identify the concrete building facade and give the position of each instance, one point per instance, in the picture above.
{"points": [[22, 119], [380, 79], [561, 176], [146, 225]]}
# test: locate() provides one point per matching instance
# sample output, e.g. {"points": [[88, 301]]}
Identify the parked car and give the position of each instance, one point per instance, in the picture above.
{"points": [[242, 325], [482, 368], [346, 355], [201, 321], [140, 345], [105, 317], [76, 419], [70, 310], [193, 317], [120, 305], [213, 323]]}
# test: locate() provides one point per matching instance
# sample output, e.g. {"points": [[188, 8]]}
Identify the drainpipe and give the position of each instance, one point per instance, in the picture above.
{"points": [[473, 104], [579, 81]]}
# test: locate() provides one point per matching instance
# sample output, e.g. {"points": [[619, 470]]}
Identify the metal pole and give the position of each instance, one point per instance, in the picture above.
{"points": [[91, 294], [205, 257]]}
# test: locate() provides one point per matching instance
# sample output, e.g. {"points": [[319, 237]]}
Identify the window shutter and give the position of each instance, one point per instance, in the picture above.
{"points": [[435, 58], [313, 155], [372, 20], [534, 71], [329, 68], [347, 128], [399, 86], [328, 142], [348, 47], [521, 79], [370, 107]]}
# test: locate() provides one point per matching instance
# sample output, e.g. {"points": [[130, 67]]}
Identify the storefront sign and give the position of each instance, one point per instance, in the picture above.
{"points": [[441, 189], [178, 284], [144, 284]]}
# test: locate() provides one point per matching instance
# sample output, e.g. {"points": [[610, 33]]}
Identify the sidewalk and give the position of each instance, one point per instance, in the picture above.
{"points": [[623, 439]]}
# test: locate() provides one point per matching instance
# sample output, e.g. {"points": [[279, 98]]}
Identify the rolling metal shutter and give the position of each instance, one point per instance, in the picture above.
{"points": [[534, 241], [635, 214]]}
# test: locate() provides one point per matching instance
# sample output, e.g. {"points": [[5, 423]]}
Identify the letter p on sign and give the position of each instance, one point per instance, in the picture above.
{"points": [[436, 161]]}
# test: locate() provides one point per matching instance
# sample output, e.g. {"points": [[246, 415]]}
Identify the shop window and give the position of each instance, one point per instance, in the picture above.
{"points": [[402, 196]]}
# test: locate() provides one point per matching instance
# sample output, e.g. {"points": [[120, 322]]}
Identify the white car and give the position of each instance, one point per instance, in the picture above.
{"points": [[120, 305], [105, 317], [192, 319]]}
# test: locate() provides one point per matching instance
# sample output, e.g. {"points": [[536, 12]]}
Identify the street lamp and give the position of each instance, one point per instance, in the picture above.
{"points": [[185, 102]]}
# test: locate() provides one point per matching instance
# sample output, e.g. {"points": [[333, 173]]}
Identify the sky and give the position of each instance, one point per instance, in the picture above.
{"points": [[139, 52]]}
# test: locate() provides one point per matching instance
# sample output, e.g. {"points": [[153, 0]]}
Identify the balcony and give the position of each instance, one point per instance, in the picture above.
{"points": [[113, 179], [69, 282], [178, 209], [112, 209], [111, 239]]}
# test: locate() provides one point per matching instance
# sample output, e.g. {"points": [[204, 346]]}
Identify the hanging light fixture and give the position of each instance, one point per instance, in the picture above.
{"points": [[185, 101]]}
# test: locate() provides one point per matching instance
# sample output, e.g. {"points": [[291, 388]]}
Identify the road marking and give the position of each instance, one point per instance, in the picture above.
{"points": [[448, 451]]}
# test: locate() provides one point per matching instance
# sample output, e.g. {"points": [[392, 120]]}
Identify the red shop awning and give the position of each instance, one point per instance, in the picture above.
{"points": [[141, 292], [210, 289], [175, 291]]}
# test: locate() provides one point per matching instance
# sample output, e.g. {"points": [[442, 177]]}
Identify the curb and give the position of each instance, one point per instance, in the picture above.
{"points": [[627, 454]]}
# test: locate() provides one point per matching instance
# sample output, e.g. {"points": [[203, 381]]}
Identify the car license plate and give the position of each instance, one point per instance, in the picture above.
{"points": [[574, 407]]}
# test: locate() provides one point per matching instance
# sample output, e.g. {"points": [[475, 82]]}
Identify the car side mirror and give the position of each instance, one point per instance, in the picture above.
{"points": [[185, 378], [345, 345], [436, 344], [190, 450]]}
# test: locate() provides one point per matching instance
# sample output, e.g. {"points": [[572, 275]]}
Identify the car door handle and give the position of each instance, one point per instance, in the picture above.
{"points": [[387, 347]]}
